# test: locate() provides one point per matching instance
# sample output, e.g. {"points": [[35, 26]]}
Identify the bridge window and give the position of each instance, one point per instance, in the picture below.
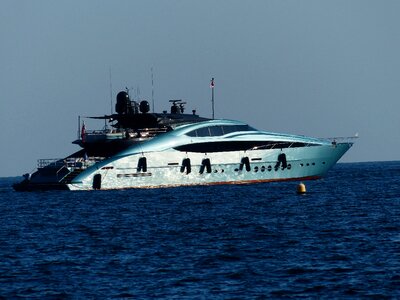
{"points": [[203, 131], [218, 130]]}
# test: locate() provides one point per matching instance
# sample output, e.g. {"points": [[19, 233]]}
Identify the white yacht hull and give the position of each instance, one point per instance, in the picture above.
{"points": [[164, 168]]}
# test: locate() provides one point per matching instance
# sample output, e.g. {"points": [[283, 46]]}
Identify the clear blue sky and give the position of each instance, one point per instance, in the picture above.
{"points": [[318, 68]]}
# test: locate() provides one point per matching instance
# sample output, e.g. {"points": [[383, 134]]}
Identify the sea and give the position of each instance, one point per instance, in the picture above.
{"points": [[339, 240]]}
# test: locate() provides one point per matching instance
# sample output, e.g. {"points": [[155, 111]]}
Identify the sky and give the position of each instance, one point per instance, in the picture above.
{"points": [[310, 67]]}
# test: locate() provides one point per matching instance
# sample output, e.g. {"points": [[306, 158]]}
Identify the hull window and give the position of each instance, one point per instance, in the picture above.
{"points": [[97, 182], [142, 165], [205, 165], [186, 166], [245, 162]]}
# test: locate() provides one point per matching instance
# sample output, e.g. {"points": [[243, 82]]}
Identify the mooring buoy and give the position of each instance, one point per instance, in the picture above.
{"points": [[301, 188]]}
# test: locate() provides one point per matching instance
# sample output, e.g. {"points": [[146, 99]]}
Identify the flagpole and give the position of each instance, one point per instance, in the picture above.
{"points": [[212, 96]]}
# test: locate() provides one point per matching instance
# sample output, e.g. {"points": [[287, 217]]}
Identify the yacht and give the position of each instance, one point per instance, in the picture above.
{"points": [[169, 149]]}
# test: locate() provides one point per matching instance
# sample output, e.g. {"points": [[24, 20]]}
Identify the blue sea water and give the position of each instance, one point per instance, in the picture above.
{"points": [[339, 240]]}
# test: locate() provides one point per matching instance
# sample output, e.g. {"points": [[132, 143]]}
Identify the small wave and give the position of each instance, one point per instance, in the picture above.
{"points": [[300, 271], [124, 295], [228, 257]]}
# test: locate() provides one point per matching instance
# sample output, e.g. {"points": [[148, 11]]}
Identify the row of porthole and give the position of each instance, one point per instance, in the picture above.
{"points": [[308, 164], [256, 169], [142, 166], [269, 168]]}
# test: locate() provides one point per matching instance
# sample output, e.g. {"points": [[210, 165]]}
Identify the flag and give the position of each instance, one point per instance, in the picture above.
{"points": [[212, 83], [83, 132]]}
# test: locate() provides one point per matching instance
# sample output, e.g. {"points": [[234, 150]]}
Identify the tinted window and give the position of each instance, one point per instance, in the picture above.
{"points": [[203, 131], [216, 131], [219, 130], [228, 129], [199, 132], [233, 128], [192, 133]]}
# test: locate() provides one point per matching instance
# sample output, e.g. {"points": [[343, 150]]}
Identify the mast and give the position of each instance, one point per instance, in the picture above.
{"points": [[212, 95], [79, 127], [111, 102], [152, 90]]}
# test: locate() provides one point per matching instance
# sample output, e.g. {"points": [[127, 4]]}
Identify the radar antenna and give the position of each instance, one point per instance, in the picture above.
{"points": [[178, 106]]}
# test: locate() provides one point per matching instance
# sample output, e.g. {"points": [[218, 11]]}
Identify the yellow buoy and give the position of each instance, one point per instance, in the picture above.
{"points": [[301, 188]]}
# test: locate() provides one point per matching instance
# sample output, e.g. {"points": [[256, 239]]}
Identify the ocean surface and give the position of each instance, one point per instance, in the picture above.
{"points": [[339, 240]]}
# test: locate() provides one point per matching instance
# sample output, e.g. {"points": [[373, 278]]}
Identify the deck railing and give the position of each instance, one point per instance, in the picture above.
{"points": [[114, 134], [280, 145], [342, 139], [49, 162], [71, 162], [334, 141]]}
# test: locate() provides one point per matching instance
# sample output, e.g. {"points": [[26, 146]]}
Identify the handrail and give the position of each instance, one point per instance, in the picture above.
{"points": [[278, 144], [102, 131], [71, 162], [291, 144], [41, 163], [342, 139], [59, 171], [122, 133]]}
